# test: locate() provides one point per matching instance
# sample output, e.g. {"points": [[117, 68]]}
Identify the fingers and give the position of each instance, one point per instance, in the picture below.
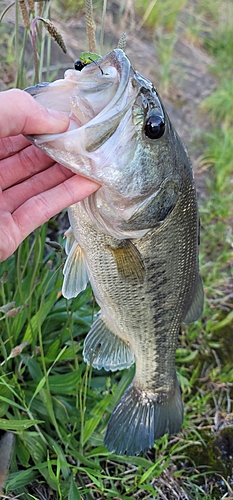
{"points": [[21, 114], [22, 165], [10, 235], [11, 145], [47, 188], [17, 195], [45, 205], [39, 209]]}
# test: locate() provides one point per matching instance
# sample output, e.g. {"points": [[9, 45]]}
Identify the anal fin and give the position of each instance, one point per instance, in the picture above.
{"points": [[104, 349]]}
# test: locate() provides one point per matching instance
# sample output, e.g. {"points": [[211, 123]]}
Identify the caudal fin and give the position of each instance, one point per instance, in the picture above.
{"points": [[138, 420]]}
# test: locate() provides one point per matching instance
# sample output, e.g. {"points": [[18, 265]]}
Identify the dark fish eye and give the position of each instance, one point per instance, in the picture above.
{"points": [[155, 127], [79, 65]]}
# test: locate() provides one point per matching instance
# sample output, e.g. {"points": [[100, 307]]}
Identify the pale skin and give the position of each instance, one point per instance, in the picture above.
{"points": [[33, 188]]}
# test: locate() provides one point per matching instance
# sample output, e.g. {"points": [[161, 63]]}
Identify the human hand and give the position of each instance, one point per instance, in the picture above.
{"points": [[33, 188]]}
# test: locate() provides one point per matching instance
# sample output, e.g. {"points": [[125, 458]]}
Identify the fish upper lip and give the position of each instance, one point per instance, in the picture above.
{"points": [[121, 63]]}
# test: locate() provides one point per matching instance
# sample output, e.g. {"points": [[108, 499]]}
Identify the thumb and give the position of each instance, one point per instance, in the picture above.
{"points": [[21, 114]]}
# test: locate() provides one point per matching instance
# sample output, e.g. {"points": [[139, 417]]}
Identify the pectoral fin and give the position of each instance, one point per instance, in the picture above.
{"points": [[75, 270], [104, 349], [70, 239], [128, 259], [195, 310]]}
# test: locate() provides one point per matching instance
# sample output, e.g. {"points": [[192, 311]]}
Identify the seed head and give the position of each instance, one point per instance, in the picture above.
{"points": [[122, 42], [55, 34], [24, 13], [31, 5]]}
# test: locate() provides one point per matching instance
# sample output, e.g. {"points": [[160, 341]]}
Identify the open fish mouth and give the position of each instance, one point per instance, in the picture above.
{"points": [[110, 107], [95, 99]]}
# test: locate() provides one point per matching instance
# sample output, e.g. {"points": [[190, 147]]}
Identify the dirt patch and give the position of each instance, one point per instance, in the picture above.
{"points": [[190, 78]]}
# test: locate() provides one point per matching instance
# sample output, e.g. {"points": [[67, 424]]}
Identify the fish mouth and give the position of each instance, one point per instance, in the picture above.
{"points": [[95, 100]]}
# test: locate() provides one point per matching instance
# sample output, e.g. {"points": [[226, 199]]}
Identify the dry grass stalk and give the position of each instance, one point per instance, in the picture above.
{"points": [[90, 26], [55, 34], [122, 41], [24, 12]]}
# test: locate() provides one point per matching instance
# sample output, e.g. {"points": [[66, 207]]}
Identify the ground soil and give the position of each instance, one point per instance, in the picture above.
{"points": [[190, 76], [190, 72]]}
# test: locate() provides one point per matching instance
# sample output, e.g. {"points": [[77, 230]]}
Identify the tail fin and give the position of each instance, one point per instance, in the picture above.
{"points": [[6, 448], [138, 420]]}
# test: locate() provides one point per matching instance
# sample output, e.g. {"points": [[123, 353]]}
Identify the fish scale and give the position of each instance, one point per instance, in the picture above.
{"points": [[135, 239], [164, 295]]}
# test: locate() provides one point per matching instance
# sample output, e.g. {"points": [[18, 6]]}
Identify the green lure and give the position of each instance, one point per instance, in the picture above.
{"points": [[85, 58], [88, 57]]}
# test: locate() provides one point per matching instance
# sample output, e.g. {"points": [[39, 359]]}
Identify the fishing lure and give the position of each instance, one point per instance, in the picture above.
{"points": [[85, 58]]}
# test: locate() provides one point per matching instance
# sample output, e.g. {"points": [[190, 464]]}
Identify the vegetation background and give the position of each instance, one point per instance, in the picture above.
{"points": [[56, 405]]}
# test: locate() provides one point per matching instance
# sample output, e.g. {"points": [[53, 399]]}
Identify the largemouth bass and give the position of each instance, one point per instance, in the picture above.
{"points": [[135, 239]]}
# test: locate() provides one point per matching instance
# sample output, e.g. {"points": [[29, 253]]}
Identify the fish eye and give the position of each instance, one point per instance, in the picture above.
{"points": [[155, 127], [79, 65]]}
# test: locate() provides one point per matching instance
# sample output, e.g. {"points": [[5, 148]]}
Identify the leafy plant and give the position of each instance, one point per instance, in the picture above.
{"points": [[157, 13]]}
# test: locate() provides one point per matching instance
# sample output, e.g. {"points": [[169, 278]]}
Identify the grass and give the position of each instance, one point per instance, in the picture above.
{"points": [[58, 407], [157, 13]]}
